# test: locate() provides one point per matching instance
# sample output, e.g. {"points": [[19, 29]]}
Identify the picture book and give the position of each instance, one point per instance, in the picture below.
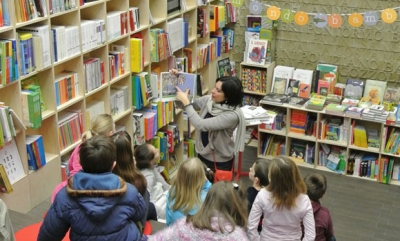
{"points": [[303, 75], [293, 87], [184, 81], [257, 51], [323, 87], [328, 73], [304, 90], [354, 89], [374, 91], [224, 67], [298, 150], [11, 161], [392, 95], [5, 185], [316, 102], [280, 79]]}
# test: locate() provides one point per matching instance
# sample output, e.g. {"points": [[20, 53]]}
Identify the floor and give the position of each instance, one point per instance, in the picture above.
{"points": [[361, 209]]}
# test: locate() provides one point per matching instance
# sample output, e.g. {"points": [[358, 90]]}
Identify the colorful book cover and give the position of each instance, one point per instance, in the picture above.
{"points": [[328, 73], [392, 95], [374, 91], [257, 51], [184, 81], [323, 87], [224, 67], [304, 90]]}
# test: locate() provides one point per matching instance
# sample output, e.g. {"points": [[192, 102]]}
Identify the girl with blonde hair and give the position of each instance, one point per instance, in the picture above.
{"points": [[102, 124], [188, 190], [284, 204], [223, 216]]}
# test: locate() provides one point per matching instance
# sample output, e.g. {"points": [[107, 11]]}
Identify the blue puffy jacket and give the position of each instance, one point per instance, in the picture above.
{"points": [[94, 207]]}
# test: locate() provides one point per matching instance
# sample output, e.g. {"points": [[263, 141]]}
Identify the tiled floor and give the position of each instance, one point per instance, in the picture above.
{"points": [[360, 209]]}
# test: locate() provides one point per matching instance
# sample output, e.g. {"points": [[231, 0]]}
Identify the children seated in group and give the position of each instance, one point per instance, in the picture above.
{"points": [[188, 190], [284, 204], [126, 168], [259, 176], [223, 217], [146, 157], [316, 188], [102, 124], [96, 204]]}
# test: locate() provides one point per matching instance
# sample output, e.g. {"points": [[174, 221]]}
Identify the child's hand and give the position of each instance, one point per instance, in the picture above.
{"points": [[173, 71], [182, 96]]}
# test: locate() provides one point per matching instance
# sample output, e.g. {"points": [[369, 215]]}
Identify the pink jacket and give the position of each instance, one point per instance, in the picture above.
{"points": [[184, 231], [73, 167]]}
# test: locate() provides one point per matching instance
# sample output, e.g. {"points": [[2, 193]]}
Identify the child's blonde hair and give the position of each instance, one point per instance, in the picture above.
{"points": [[102, 124], [286, 183], [229, 200], [187, 186]]}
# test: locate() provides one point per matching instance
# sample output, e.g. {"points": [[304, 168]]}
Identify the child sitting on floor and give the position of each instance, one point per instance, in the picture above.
{"points": [[146, 157]]}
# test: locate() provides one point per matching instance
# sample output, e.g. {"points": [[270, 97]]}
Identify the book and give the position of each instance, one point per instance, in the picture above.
{"points": [[5, 185], [316, 102], [274, 98], [224, 67], [11, 161], [296, 101], [280, 79], [293, 87], [323, 87], [257, 51], [374, 91], [354, 89], [184, 81], [328, 72], [304, 90]]}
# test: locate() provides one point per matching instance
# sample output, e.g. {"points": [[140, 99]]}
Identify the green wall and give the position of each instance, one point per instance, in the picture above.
{"points": [[363, 52]]}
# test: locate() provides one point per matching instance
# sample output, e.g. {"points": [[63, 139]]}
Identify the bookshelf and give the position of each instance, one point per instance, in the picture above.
{"points": [[288, 139], [38, 185], [256, 80]]}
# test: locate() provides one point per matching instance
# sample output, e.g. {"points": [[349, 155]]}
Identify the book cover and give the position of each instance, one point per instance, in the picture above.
{"points": [[257, 51], [11, 161], [5, 185], [280, 79], [224, 67], [323, 87], [374, 91], [392, 95], [304, 90], [297, 101], [354, 89], [184, 81], [328, 73], [293, 87]]}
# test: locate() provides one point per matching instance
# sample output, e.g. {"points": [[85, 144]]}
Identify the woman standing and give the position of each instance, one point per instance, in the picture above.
{"points": [[218, 118]]}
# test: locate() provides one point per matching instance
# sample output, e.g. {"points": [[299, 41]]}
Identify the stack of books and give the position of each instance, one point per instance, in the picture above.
{"points": [[375, 113], [333, 99], [274, 98], [354, 112], [316, 102], [350, 102], [335, 109]]}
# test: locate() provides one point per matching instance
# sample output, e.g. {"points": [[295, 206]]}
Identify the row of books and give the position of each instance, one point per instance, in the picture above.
{"points": [[5, 19], [333, 157], [393, 142], [35, 149], [65, 41], [27, 10], [116, 60], [119, 99], [66, 86], [221, 15], [70, 128], [7, 129], [93, 34], [189, 149], [272, 145], [160, 45], [119, 21], [334, 129], [9, 61], [94, 73]]}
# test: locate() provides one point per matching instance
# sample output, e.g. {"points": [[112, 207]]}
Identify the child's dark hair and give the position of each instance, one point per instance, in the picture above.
{"points": [[97, 154], [261, 169], [209, 173], [316, 186], [143, 156]]}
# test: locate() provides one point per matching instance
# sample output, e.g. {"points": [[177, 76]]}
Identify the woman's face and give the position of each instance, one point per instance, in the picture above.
{"points": [[251, 173], [217, 95]]}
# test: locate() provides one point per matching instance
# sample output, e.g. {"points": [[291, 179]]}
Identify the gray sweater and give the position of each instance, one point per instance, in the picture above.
{"points": [[221, 126]]}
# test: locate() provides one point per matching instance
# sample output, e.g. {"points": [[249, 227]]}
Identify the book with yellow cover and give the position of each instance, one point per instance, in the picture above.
{"points": [[136, 55], [5, 185]]}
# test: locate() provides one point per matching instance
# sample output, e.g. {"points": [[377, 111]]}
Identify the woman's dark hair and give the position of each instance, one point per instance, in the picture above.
{"points": [[143, 156], [233, 90], [125, 167]]}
